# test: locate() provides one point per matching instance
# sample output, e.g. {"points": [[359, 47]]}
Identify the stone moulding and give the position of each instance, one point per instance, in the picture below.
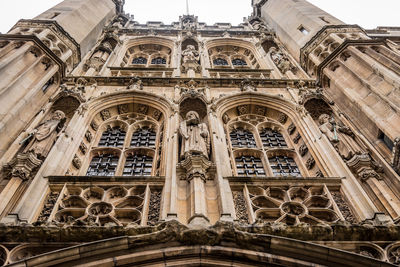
{"points": [[40, 44], [256, 243]]}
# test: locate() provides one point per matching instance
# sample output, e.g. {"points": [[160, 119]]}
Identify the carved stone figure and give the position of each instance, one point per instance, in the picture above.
{"points": [[44, 136], [340, 136], [281, 61], [195, 136]]}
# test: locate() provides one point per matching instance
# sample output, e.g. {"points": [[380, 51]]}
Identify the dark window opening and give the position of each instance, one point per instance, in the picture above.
{"points": [[385, 139], [112, 137], [272, 138], [159, 61], [284, 166], [249, 166], [239, 62], [48, 84], [139, 60], [103, 165], [220, 62], [242, 138], [144, 137], [138, 165]]}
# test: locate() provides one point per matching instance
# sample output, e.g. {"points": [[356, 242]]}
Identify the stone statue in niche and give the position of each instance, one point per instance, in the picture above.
{"points": [[341, 137], [190, 54], [281, 61], [195, 136], [44, 136]]}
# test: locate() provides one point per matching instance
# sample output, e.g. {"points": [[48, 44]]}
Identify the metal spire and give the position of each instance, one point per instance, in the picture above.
{"points": [[187, 7]]}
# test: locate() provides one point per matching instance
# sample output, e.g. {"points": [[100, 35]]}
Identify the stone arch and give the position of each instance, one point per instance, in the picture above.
{"points": [[316, 107]]}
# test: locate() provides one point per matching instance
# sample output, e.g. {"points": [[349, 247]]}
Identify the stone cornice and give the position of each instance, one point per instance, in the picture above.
{"points": [[211, 82], [321, 35], [50, 24], [40, 44], [340, 49]]}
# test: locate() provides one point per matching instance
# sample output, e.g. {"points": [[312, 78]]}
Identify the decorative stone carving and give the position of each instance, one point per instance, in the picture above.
{"points": [[190, 59], [291, 129], [94, 125], [260, 110], [297, 138], [225, 118], [343, 207], [88, 136], [105, 114], [143, 109], [124, 108], [43, 137], [195, 136], [282, 118], [281, 61], [77, 91], [247, 86], [83, 148], [135, 84], [243, 109], [156, 114], [303, 149], [76, 162], [23, 165], [310, 163], [319, 174], [340, 136], [240, 207], [154, 208], [48, 207]]}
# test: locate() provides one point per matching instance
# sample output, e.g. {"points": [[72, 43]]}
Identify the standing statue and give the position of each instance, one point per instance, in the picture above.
{"points": [[195, 136], [341, 137], [190, 54], [44, 136]]}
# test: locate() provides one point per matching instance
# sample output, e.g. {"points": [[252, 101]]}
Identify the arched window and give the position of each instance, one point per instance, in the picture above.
{"points": [[238, 62], [144, 137], [242, 138], [103, 165], [220, 62], [139, 60], [138, 165], [158, 61], [249, 166], [273, 139], [284, 166], [112, 137]]}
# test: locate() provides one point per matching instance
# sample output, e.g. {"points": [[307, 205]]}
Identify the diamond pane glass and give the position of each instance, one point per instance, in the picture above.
{"points": [[284, 166], [103, 165], [272, 138], [138, 165], [144, 137], [242, 138], [249, 166], [112, 137]]}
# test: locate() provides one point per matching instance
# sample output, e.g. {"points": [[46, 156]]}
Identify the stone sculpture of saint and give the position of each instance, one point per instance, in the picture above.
{"points": [[44, 136], [195, 136], [190, 54], [340, 136]]}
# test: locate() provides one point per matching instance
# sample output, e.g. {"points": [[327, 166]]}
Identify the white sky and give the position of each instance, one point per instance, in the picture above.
{"points": [[366, 13]]}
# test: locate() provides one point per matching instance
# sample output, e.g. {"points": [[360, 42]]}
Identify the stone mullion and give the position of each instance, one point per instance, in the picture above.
{"points": [[57, 163], [169, 208], [176, 57], [223, 169]]}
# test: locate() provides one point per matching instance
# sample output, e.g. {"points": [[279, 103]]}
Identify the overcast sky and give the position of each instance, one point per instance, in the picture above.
{"points": [[366, 13]]}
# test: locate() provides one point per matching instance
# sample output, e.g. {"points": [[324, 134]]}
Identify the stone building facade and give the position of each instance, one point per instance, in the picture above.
{"points": [[275, 142]]}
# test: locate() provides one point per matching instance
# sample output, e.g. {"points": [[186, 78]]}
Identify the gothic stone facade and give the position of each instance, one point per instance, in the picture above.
{"points": [[275, 142]]}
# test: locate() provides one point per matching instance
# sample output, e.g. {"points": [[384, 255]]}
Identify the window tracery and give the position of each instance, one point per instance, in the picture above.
{"points": [[138, 164], [220, 62], [103, 165], [112, 137], [260, 144], [139, 60], [232, 56], [158, 61], [144, 137], [238, 62]]}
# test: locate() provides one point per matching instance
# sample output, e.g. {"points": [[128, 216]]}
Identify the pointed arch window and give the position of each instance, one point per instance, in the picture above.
{"points": [[272, 138], [220, 62], [139, 60], [138, 165], [112, 137], [158, 61], [242, 138], [284, 166], [103, 165], [238, 62], [249, 166], [144, 137]]}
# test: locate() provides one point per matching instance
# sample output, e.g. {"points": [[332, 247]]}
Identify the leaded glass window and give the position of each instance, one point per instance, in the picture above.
{"points": [[103, 165], [159, 61], [144, 137], [220, 62], [139, 60], [272, 138], [138, 165], [112, 137], [249, 166], [284, 166], [238, 62], [242, 138]]}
